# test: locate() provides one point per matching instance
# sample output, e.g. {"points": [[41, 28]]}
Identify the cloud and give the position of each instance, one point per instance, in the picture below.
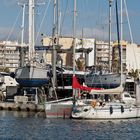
{"points": [[9, 3], [89, 32], [96, 33]]}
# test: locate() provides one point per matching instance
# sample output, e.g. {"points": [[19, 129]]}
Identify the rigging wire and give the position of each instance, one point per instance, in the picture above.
{"points": [[65, 11], [42, 20], [130, 31], [10, 33], [13, 27]]}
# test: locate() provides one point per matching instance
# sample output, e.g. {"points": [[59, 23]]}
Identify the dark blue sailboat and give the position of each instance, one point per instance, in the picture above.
{"points": [[32, 74]]}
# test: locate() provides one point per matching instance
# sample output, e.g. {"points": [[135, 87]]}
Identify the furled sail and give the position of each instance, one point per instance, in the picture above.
{"points": [[117, 90]]}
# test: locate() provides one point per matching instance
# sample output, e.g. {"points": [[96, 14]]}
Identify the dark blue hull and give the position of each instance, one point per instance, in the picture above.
{"points": [[105, 86], [30, 76], [105, 81], [32, 82]]}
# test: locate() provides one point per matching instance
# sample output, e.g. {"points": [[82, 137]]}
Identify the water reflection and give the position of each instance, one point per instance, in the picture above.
{"points": [[28, 125], [22, 114]]}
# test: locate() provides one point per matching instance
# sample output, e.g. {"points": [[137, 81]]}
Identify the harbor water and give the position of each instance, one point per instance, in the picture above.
{"points": [[30, 126]]}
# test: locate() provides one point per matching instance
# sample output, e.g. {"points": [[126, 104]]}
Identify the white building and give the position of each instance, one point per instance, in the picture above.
{"points": [[9, 55], [87, 43], [102, 54], [132, 57]]}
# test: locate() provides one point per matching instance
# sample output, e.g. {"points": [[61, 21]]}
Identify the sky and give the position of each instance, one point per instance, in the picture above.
{"points": [[91, 20]]}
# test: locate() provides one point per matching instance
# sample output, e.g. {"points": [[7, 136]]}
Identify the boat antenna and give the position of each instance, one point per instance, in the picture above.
{"points": [[74, 39]]}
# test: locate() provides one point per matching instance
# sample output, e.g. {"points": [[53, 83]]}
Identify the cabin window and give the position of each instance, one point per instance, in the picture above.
{"points": [[126, 95]]}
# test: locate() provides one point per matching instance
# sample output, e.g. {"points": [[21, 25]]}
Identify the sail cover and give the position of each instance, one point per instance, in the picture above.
{"points": [[117, 90]]}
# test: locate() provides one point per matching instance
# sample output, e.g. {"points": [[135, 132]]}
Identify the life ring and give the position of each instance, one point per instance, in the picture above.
{"points": [[93, 103]]}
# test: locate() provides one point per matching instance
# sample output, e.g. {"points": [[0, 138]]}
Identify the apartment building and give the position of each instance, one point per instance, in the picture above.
{"points": [[103, 55], [9, 55], [130, 56], [99, 55], [66, 44]]}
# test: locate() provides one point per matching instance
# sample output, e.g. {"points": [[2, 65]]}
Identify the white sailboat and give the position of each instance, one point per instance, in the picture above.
{"points": [[123, 106], [32, 74]]}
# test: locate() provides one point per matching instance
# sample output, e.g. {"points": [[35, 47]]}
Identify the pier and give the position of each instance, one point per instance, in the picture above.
{"points": [[29, 107]]}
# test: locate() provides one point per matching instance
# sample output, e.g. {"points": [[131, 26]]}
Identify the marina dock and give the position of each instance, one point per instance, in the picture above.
{"points": [[29, 107]]}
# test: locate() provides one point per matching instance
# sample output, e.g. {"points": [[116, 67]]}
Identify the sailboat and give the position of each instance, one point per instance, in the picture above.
{"points": [[62, 108], [105, 80], [110, 103], [33, 74]]}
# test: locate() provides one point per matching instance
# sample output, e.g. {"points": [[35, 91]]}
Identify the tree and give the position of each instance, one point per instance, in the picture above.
{"points": [[80, 62], [134, 73], [5, 69]]}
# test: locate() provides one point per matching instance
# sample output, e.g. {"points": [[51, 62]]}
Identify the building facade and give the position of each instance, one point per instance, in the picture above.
{"points": [[130, 57], [103, 55], [9, 55], [98, 55]]}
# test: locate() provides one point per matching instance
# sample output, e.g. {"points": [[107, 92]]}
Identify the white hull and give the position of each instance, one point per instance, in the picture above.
{"points": [[89, 112]]}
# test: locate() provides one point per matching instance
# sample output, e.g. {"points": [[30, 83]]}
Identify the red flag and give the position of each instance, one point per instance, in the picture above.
{"points": [[76, 85]]}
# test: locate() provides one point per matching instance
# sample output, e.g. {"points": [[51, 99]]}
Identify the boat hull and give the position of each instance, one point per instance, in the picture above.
{"points": [[105, 81], [58, 110], [32, 76], [88, 112]]}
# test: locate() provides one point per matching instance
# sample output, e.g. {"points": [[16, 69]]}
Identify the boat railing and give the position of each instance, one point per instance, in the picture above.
{"points": [[60, 100]]}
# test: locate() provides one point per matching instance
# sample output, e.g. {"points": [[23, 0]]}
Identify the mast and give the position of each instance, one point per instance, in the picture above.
{"points": [[31, 29], [55, 41], [22, 37], [119, 35], [33, 40], [121, 38], [118, 32], [74, 39], [110, 10]]}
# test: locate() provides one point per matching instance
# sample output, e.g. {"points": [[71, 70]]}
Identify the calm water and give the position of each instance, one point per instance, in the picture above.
{"points": [[22, 126]]}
